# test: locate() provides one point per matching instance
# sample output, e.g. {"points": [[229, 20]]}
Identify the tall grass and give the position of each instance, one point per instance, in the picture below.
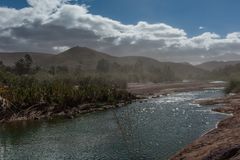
{"points": [[26, 91]]}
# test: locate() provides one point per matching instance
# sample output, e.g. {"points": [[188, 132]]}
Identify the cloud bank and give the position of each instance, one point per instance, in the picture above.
{"points": [[56, 25]]}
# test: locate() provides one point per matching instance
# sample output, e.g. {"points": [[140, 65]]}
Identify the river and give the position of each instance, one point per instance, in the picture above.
{"points": [[155, 129]]}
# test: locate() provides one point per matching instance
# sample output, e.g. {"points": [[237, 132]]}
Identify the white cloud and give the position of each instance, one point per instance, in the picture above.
{"points": [[204, 41], [54, 25], [61, 48], [201, 27]]}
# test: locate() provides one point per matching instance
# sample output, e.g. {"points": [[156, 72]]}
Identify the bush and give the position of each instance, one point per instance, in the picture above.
{"points": [[26, 91], [233, 87]]}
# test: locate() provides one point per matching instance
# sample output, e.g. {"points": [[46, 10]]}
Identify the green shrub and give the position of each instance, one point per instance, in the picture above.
{"points": [[26, 91], [233, 87]]}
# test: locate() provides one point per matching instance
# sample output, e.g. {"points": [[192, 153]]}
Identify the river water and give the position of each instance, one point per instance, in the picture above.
{"points": [[155, 129]]}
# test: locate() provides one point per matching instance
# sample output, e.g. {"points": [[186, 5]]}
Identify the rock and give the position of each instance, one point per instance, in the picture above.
{"points": [[225, 153]]}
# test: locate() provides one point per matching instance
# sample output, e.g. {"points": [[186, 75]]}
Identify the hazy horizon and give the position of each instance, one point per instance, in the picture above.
{"points": [[164, 30], [119, 79]]}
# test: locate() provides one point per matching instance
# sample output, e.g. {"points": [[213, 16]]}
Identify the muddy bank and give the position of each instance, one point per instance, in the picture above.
{"points": [[156, 89], [221, 143]]}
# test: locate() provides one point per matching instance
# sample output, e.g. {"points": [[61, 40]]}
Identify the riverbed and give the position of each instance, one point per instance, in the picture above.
{"points": [[154, 129]]}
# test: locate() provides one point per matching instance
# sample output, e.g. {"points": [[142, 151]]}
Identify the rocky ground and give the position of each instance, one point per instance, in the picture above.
{"points": [[222, 143]]}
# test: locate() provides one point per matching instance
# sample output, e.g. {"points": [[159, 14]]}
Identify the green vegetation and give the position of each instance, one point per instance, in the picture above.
{"points": [[137, 72], [84, 62], [20, 86], [23, 66], [227, 73], [27, 91], [233, 87]]}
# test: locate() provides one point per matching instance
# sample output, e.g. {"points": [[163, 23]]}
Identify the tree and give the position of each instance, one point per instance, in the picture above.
{"points": [[103, 66], [28, 60], [20, 67], [23, 65]]}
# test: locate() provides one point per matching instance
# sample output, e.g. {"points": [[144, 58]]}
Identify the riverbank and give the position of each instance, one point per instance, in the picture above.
{"points": [[43, 111], [222, 142], [143, 90], [46, 111], [28, 98], [153, 129]]}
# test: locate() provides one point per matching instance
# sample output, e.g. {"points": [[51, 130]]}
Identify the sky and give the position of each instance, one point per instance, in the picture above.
{"points": [[168, 30]]}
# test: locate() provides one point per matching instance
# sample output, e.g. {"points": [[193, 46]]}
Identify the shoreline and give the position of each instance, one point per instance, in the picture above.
{"points": [[155, 90], [222, 142], [49, 114], [217, 143], [142, 92]]}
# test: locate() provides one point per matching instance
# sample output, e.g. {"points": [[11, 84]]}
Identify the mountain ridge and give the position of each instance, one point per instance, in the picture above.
{"points": [[87, 59], [216, 65]]}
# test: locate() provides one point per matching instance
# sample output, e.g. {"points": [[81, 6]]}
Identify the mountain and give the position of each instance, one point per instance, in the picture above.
{"points": [[215, 65], [87, 59], [226, 57], [78, 56], [229, 72]]}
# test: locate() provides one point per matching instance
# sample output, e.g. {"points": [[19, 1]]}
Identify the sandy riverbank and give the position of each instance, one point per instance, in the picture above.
{"points": [[222, 143]]}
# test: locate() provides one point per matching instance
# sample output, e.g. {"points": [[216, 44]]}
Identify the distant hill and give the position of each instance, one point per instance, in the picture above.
{"points": [[226, 57], [215, 65], [87, 59], [78, 56], [228, 72]]}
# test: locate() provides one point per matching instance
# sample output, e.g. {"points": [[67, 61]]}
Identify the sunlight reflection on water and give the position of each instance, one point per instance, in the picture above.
{"points": [[155, 129]]}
